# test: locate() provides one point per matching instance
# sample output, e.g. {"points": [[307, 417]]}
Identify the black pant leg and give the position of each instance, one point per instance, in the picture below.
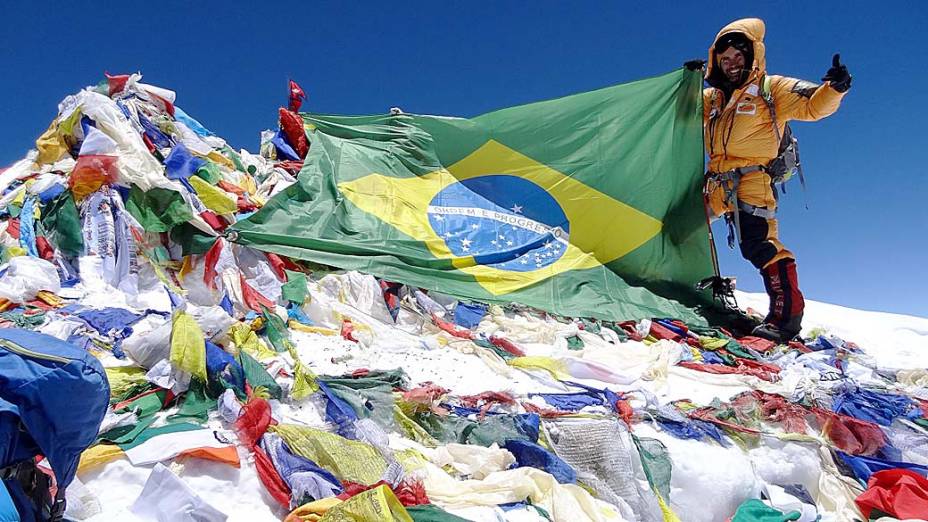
{"points": [[755, 247]]}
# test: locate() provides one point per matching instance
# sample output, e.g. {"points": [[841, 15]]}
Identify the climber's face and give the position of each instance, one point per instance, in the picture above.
{"points": [[732, 63]]}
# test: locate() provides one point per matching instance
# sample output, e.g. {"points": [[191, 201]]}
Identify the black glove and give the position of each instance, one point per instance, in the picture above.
{"points": [[695, 65], [838, 76]]}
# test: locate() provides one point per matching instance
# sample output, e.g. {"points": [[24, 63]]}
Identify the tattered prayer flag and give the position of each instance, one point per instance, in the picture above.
{"points": [[294, 290], [213, 198], [188, 347]]}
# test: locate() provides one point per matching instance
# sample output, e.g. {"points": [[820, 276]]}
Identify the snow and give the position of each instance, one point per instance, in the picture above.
{"points": [[702, 471], [779, 462], [708, 481], [896, 341]]}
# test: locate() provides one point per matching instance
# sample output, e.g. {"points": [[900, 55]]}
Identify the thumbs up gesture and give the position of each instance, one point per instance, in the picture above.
{"points": [[838, 76]]}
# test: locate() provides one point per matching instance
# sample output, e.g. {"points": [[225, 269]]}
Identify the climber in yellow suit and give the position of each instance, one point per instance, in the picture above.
{"points": [[742, 141]]}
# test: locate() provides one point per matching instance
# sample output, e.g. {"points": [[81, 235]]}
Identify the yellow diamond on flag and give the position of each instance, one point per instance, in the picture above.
{"points": [[504, 218]]}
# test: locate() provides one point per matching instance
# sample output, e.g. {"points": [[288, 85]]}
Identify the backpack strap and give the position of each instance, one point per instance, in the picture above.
{"points": [[714, 104], [767, 94]]}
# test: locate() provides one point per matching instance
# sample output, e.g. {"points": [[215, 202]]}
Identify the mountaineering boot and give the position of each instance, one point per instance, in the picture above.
{"points": [[779, 334], [784, 320]]}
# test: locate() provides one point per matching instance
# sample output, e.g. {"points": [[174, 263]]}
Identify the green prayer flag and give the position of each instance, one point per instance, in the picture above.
{"points": [[276, 330], [236, 160], [294, 290], [574, 342], [590, 326], [735, 348], [370, 396], [196, 405], [145, 405], [158, 209], [136, 438], [655, 460], [23, 320], [209, 172], [62, 224], [493, 429], [256, 376], [191, 239], [754, 510], [127, 434], [584, 206]]}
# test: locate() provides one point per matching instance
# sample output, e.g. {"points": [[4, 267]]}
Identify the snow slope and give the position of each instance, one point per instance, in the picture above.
{"points": [[894, 340]]}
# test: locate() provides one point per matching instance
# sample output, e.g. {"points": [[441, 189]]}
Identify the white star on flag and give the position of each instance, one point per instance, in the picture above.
{"points": [[523, 261], [508, 243], [475, 226], [502, 236], [466, 242], [517, 209]]}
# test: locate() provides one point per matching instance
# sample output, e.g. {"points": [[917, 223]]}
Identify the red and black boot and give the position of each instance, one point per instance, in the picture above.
{"points": [[784, 320]]}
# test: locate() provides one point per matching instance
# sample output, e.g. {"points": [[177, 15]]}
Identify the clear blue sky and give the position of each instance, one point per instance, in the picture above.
{"points": [[862, 243]]}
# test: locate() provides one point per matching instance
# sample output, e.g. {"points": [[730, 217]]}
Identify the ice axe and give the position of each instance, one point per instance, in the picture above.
{"points": [[723, 288]]}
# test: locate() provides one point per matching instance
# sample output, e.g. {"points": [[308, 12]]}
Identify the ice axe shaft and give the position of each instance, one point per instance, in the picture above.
{"points": [[723, 288]]}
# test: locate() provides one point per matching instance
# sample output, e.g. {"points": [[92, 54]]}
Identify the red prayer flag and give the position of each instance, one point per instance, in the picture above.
{"points": [[209, 268], [277, 265], [901, 493], [45, 249], [296, 96], [292, 125], [116, 83], [253, 422], [253, 298], [271, 479], [213, 220]]}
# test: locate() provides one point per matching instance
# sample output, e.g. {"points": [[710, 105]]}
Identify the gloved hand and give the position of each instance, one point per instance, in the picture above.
{"points": [[838, 76], [695, 65]]}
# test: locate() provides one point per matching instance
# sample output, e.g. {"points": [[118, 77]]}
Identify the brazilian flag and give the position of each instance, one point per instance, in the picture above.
{"points": [[587, 205]]}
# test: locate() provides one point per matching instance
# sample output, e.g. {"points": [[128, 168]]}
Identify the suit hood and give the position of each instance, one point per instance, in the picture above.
{"points": [[754, 29]]}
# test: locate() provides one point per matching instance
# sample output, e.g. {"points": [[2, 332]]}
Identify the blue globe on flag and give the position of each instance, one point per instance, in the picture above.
{"points": [[503, 221]]}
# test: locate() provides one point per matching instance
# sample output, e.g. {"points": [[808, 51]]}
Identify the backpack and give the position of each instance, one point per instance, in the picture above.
{"points": [[53, 397], [782, 168]]}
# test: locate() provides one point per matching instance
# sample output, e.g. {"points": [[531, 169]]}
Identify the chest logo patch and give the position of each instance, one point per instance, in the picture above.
{"points": [[747, 108]]}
